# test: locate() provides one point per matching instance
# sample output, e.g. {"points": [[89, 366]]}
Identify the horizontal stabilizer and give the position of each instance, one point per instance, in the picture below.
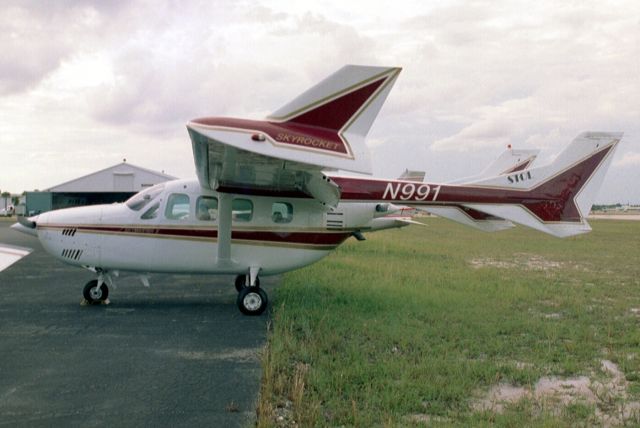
{"points": [[470, 217]]}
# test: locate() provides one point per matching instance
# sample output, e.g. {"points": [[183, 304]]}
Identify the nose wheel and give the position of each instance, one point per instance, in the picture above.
{"points": [[94, 294]]}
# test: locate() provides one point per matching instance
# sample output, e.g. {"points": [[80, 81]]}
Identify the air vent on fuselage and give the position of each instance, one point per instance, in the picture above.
{"points": [[335, 220], [69, 231], [72, 254]]}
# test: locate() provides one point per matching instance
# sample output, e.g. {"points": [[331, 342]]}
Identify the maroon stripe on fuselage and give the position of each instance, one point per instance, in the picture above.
{"points": [[282, 236], [549, 201], [151, 231], [293, 237]]}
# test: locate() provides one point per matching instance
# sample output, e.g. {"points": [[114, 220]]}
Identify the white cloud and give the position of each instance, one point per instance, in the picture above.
{"points": [[89, 82], [629, 159], [37, 37]]}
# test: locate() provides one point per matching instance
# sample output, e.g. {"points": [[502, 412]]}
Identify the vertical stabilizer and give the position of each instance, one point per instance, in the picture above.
{"points": [[556, 198]]}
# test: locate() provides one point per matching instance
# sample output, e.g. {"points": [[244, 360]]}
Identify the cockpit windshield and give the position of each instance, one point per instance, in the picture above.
{"points": [[141, 199]]}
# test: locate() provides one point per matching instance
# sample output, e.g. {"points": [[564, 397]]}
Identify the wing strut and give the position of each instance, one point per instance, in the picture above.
{"points": [[225, 203]]}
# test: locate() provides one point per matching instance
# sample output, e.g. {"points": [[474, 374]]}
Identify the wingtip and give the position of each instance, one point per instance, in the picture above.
{"points": [[614, 135]]}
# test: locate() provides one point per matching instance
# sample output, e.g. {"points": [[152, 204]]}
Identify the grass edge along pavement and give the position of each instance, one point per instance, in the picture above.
{"points": [[447, 326]]}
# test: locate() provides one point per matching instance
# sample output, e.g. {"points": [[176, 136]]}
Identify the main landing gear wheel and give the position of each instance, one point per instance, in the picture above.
{"points": [[241, 282], [252, 301], [93, 294]]}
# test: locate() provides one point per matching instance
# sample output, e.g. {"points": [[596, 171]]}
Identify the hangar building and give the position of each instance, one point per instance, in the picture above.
{"points": [[113, 184]]}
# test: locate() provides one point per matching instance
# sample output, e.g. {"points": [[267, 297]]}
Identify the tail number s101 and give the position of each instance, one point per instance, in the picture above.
{"points": [[410, 191]]}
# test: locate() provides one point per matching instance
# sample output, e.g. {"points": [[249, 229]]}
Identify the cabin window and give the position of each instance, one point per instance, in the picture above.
{"points": [[242, 210], [207, 208], [151, 212], [141, 199], [177, 207], [281, 212]]}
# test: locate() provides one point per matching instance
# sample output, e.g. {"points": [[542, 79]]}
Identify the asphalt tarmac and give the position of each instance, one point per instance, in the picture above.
{"points": [[176, 354]]}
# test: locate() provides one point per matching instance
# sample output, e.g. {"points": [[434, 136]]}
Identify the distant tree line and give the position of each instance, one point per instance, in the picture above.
{"points": [[597, 207]]}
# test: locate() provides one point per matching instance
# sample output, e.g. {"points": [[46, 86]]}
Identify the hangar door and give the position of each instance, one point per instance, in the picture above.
{"points": [[123, 182]]}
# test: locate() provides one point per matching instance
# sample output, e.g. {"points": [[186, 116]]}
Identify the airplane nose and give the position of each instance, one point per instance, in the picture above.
{"points": [[26, 225], [23, 229]]}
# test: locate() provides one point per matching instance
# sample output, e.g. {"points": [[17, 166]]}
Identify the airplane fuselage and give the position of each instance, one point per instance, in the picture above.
{"points": [[175, 230], [173, 227]]}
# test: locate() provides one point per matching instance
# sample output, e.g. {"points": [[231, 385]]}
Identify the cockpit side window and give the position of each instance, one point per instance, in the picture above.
{"points": [[151, 213], [177, 207], [207, 208], [142, 199]]}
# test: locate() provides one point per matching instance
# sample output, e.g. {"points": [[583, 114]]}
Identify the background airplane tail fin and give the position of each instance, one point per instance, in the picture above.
{"points": [[347, 101], [556, 198], [511, 160], [410, 175]]}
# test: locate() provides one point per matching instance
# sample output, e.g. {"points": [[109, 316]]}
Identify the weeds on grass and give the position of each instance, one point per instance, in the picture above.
{"points": [[404, 329]]}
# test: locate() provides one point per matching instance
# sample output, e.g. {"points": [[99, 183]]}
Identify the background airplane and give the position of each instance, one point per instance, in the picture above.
{"points": [[267, 199]]}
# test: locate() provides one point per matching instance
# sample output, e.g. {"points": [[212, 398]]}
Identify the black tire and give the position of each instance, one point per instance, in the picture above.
{"points": [[252, 300], [93, 295], [240, 282]]}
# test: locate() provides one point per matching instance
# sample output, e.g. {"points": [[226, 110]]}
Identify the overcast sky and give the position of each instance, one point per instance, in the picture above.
{"points": [[84, 84]]}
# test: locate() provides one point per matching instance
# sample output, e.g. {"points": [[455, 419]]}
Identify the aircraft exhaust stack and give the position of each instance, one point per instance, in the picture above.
{"points": [[25, 225]]}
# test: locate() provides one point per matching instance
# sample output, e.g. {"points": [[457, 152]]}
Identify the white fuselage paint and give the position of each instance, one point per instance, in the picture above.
{"points": [[116, 237]]}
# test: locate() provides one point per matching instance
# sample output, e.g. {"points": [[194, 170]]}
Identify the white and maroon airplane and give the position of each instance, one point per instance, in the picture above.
{"points": [[267, 199]]}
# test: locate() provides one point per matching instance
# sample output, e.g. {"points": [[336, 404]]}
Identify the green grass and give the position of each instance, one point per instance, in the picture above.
{"points": [[403, 325]]}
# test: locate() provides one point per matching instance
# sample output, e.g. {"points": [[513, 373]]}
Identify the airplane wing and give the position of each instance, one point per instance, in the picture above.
{"points": [[9, 254], [322, 129]]}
